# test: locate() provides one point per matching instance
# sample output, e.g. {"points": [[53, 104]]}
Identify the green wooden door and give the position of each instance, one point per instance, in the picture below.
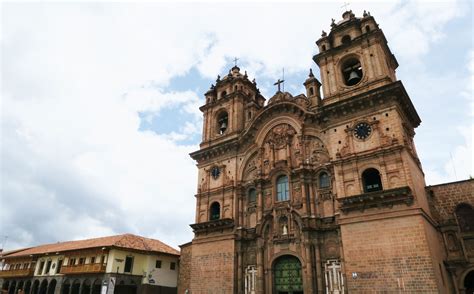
{"points": [[287, 275]]}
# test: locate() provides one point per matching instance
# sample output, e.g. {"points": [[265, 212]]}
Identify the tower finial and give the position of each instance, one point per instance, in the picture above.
{"points": [[311, 75]]}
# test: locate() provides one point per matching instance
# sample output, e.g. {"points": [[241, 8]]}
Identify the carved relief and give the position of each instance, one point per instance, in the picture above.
{"points": [[251, 169], [279, 147], [316, 153], [280, 136]]}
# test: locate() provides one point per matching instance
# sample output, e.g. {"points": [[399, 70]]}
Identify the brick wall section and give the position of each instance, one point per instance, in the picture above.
{"points": [[184, 274], [389, 255], [212, 267], [445, 197]]}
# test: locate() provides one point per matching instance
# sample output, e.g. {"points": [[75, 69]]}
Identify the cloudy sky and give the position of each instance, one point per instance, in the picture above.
{"points": [[99, 101]]}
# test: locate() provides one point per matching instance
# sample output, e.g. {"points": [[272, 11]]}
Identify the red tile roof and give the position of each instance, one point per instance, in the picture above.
{"points": [[125, 241]]}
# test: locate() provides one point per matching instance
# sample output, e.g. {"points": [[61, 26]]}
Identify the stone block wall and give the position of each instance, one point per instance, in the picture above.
{"points": [[389, 255]]}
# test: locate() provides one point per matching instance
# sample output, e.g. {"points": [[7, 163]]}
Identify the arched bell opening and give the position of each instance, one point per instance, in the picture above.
{"points": [[222, 122], [352, 71]]}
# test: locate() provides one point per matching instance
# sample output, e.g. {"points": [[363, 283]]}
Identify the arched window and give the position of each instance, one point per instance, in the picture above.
{"points": [[324, 180], [223, 94], [323, 47], [222, 122], [252, 195], [282, 188], [367, 28], [371, 180], [465, 217], [215, 211]]}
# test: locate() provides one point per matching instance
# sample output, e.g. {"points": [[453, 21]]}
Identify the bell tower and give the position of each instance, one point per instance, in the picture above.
{"points": [[230, 105], [354, 57]]}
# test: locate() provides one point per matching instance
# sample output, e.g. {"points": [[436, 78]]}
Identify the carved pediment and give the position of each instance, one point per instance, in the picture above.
{"points": [[280, 136]]}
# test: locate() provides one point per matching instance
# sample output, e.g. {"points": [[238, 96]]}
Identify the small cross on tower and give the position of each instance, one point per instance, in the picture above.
{"points": [[345, 6], [235, 61]]}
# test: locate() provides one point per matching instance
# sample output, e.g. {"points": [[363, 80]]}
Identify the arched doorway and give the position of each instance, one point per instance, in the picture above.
{"points": [[66, 287], [5, 286], [52, 286], [76, 285], [35, 288], [96, 287], [20, 287], [12, 288], [86, 287], [43, 287], [469, 283], [27, 287], [287, 276]]}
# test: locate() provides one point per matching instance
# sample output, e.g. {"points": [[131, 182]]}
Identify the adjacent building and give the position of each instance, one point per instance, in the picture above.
{"points": [[122, 264], [324, 193]]}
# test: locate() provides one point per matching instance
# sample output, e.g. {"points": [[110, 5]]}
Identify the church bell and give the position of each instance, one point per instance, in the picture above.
{"points": [[223, 126], [353, 77]]}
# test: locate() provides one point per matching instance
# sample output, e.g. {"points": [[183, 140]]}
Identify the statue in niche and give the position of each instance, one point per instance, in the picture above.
{"points": [[283, 226], [452, 243]]}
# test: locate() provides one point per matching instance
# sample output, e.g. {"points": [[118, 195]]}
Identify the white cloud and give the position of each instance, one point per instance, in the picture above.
{"points": [[75, 77]]}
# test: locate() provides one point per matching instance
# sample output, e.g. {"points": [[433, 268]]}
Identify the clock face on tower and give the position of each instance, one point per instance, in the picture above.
{"points": [[362, 131], [215, 172]]}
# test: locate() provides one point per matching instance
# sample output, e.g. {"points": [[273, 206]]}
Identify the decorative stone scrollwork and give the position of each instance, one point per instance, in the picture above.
{"points": [[280, 136], [326, 195]]}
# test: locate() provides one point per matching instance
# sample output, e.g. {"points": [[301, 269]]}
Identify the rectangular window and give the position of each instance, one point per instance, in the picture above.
{"points": [[82, 260], [172, 266], [282, 188], [58, 268], [40, 268], [128, 264], [102, 259], [48, 267], [72, 261], [92, 259], [158, 264]]}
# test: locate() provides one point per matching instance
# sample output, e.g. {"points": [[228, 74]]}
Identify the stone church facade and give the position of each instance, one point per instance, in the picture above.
{"points": [[305, 194]]}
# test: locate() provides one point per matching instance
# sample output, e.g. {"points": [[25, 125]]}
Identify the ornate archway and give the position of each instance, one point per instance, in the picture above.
{"points": [[287, 275]]}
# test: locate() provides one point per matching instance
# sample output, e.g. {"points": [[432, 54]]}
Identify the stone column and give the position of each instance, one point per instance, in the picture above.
{"points": [[239, 267], [312, 199], [260, 269], [319, 272], [308, 265]]}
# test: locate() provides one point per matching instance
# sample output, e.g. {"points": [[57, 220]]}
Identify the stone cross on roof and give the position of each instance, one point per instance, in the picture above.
{"points": [[277, 83]]}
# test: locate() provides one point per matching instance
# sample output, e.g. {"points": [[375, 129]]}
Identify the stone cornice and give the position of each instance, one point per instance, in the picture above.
{"points": [[379, 199], [213, 225]]}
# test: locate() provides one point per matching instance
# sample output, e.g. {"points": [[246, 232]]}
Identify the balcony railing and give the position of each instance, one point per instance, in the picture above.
{"points": [[17, 273], [83, 268]]}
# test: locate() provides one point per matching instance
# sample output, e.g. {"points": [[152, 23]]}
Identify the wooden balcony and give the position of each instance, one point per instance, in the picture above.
{"points": [[17, 273], [83, 269]]}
